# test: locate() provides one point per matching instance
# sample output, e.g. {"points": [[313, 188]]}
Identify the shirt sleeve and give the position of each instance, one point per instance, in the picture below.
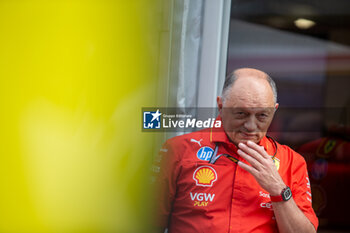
{"points": [[165, 169], [301, 189]]}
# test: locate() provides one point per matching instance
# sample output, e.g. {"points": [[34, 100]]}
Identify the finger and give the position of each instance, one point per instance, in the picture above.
{"points": [[258, 148], [253, 153], [248, 168], [255, 163]]}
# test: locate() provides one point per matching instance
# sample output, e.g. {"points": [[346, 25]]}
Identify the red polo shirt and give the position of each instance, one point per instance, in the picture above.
{"points": [[196, 196]]}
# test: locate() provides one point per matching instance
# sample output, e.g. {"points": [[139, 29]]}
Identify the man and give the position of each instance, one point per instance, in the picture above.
{"points": [[249, 183]]}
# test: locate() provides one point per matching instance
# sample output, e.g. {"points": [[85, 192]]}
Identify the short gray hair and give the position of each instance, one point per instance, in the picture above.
{"points": [[232, 77]]}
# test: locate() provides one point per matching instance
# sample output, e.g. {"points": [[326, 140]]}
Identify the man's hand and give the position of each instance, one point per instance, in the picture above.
{"points": [[289, 217], [262, 167]]}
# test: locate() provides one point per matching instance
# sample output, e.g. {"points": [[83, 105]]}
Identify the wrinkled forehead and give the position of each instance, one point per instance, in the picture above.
{"points": [[249, 100], [249, 110]]}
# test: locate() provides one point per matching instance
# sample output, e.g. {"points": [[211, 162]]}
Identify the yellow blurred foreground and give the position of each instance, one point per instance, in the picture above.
{"points": [[73, 78]]}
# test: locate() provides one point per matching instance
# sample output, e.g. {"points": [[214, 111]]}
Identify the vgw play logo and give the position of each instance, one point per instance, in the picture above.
{"points": [[151, 120]]}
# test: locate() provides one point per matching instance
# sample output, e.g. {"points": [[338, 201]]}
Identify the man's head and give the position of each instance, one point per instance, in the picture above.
{"points": [[247, 105]]}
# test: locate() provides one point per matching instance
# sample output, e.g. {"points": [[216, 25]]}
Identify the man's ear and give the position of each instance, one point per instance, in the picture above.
{"points": [[219, 103], [276, 106]]}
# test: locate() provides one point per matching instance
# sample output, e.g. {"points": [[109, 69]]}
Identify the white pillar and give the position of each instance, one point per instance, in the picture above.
{"points": [[214, 51]]}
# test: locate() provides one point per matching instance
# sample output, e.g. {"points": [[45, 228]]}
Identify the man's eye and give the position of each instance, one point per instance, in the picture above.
{"points": [[240, 114], [263, 116]]}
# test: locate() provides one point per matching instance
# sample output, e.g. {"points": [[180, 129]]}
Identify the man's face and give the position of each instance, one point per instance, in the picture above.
{"points": [[247, 113]]}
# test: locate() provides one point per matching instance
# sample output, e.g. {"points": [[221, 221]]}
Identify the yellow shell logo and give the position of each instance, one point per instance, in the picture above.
{"points": [[205, 176]]}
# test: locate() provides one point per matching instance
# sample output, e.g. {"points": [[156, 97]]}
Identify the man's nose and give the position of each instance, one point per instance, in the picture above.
{"points": [[250, 124]]}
